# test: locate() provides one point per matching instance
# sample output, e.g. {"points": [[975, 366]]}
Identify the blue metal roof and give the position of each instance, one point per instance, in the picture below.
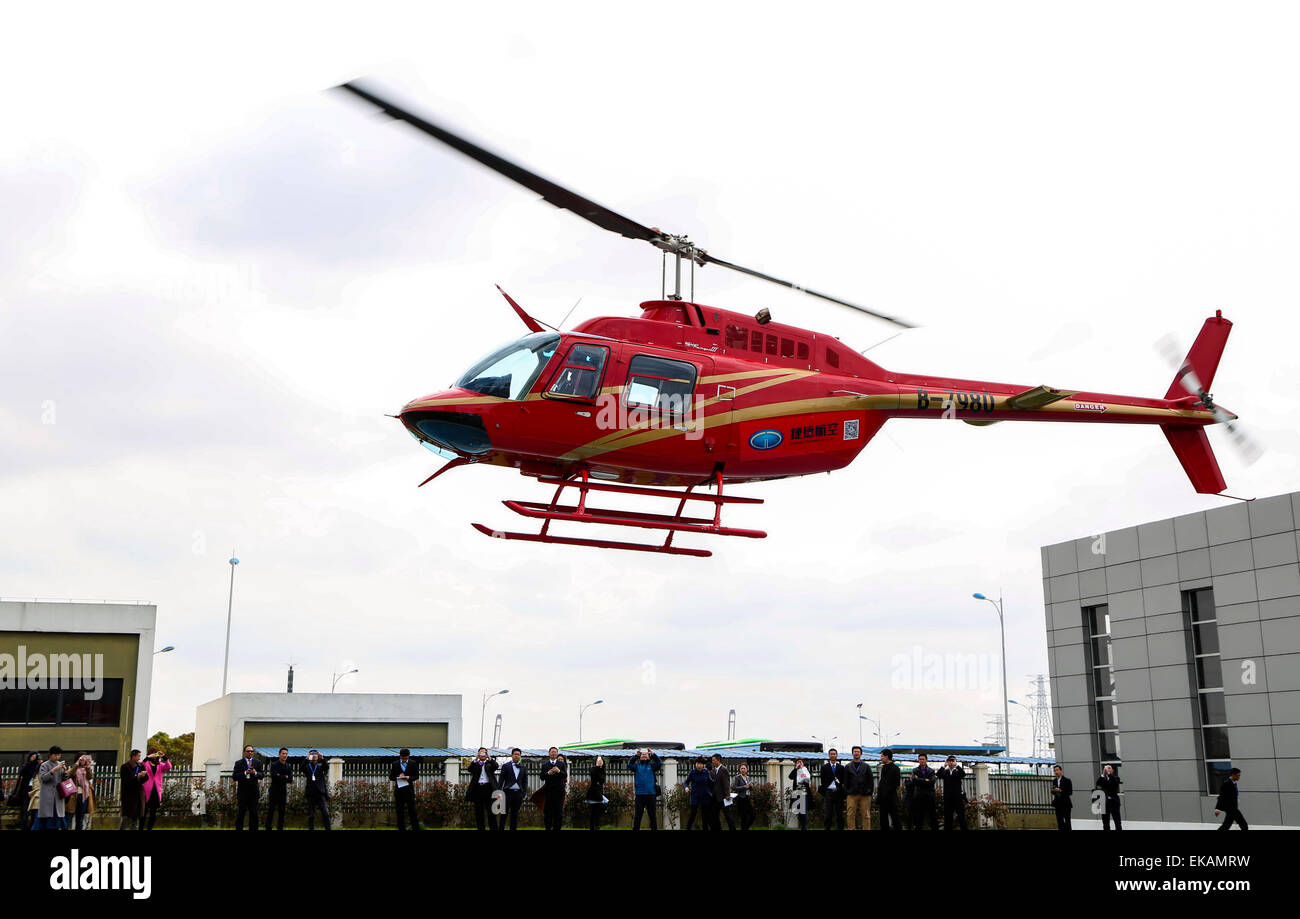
{"points": [[904, 754]]}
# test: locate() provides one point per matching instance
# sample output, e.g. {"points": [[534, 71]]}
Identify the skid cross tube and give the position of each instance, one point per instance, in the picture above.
{"points": [[581, 513]]}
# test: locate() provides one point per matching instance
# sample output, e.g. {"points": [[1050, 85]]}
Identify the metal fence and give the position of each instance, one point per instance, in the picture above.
{"points": [[1022, 794]]}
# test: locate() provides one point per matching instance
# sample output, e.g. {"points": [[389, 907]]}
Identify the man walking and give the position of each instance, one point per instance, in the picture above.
{"points": [[859, 784], [555, 777], [247, 772], [720, 806], [832, 789], [1062, 788], [513, 781], [922, 794], [891, 777], [954, 795], [482, 786], [404, 773], [1108, 783], [644, 767], [317, 790], [1228, 802], [277, 798]]}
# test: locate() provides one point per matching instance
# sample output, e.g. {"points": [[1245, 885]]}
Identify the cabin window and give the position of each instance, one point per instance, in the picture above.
{"points": [[579, 375], [736, 337], [756, 342], [832, 357], [771, 345], [661, 384], [803, 351], [787, 347]]}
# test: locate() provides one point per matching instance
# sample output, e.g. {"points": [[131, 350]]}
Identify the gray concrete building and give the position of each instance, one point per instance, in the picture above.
{"points": [[1174, 652]]}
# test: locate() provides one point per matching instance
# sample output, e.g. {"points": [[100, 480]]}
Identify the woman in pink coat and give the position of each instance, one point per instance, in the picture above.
{"points": [[153, 768]]}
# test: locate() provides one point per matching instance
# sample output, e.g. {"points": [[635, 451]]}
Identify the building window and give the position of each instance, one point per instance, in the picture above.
{"points": [[1207, 666], [1096, 620], [64, 704]]}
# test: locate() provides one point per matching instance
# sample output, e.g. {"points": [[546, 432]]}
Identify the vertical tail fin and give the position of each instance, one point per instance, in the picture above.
{"points": [[1203, 359], [1192, 448]]}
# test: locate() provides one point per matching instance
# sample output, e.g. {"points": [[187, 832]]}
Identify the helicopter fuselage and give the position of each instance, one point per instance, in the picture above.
{"points": [[686, 392]]}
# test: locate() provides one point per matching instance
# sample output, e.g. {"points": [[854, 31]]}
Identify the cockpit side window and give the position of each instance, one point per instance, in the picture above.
{"points": [[579, 376], [661, 384], [509, 372]]}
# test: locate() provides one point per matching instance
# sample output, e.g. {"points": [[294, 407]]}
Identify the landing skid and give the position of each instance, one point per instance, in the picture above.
{"points": [[580, 513]]}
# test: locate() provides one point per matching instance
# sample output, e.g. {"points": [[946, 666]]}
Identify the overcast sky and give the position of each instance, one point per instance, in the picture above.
{"points": [[216, 278]]}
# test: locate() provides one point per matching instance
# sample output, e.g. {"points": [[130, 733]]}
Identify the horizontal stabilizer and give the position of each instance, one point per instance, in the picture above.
{"points": [[1036, 398]]}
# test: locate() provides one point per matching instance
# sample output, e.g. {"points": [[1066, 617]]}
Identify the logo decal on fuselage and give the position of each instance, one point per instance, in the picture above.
{"points": [[767, 439]]}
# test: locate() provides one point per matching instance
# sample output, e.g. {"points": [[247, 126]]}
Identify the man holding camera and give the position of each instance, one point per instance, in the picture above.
{"points": [[482, 786], [317, 790], [277, 799], [247, 772]]}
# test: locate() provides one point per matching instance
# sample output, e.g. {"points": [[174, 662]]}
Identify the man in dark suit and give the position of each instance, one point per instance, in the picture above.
{"points": [[922, 794], [1228, 802], [277, 798], [317, 791], [555, 777], [512, 779], [482, 785], [247, 772], [1108, 783], [720, 807], [404, 773], [1062, 788], [951, 777], [891, 777], [832, 789]]}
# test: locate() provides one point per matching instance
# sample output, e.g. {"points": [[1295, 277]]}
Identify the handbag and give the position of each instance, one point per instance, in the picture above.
{"points": [[67, 788]]}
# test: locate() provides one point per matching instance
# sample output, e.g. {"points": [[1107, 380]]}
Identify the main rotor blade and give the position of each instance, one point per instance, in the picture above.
{"points": [[558, 195], [705, 256], [589, 210]]}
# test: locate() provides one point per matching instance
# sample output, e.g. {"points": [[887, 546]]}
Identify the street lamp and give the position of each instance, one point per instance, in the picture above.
{"points": [[879, 730], [825, 742], [1006, 707], [1033, 739], [340, 676], [166, 649], [230, 604], [483, 712], [581, 711]]}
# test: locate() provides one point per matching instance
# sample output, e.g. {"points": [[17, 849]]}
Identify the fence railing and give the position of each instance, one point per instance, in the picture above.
{"points": [[1022, 794]]}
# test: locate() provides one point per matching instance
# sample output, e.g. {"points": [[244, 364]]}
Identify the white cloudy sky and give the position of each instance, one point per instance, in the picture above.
{"points": [[216, 278]]}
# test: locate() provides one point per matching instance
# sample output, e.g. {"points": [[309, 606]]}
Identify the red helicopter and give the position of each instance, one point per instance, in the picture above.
{"points": [[688, 397]]}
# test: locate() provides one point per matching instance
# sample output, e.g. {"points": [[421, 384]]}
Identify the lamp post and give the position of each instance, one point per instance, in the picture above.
{"points": [[166, 649], [880, 733], [825, 742], [582, 710], [483, 713], [1006, 707], [340, 676], [230, 605]]}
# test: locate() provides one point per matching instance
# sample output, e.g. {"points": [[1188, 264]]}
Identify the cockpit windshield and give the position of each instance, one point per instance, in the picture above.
{"points": [[510, 372]]}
